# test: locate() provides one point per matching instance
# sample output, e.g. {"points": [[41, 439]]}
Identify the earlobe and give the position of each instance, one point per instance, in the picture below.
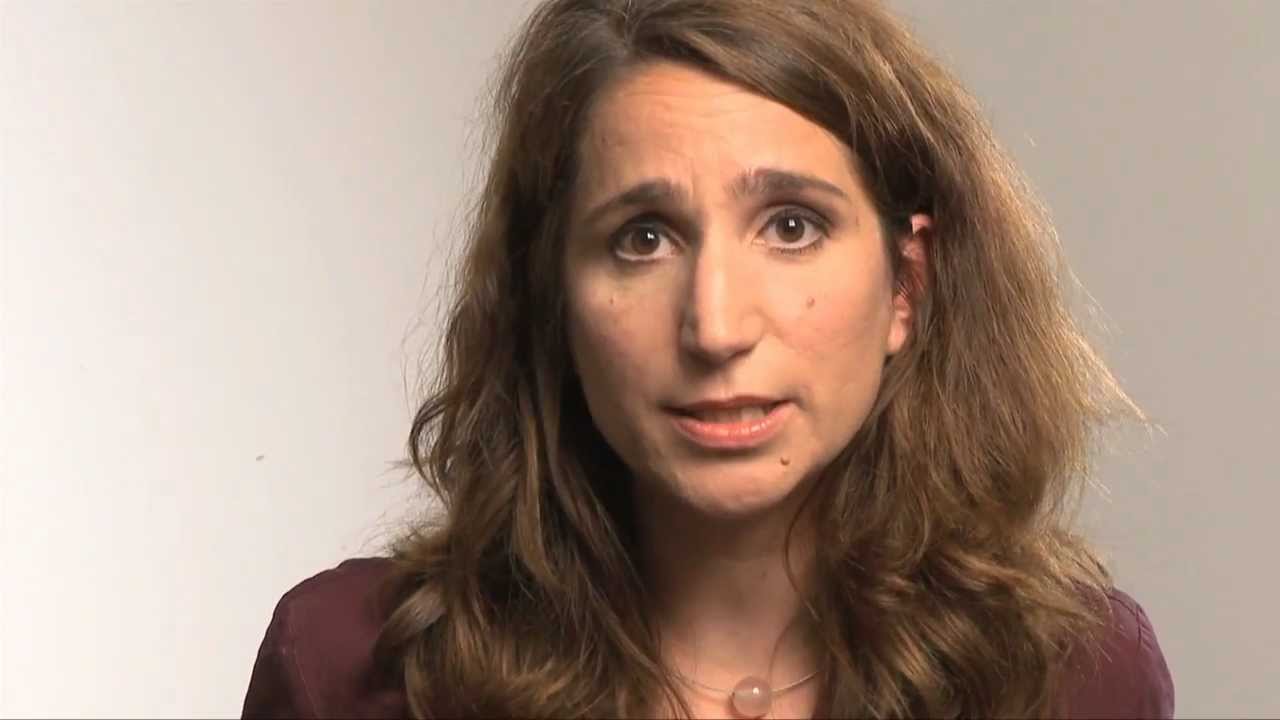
{"points": [[910, 283]]}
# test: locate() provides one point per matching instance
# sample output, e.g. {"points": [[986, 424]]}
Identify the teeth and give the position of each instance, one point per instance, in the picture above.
{"points": [[735, 415]]}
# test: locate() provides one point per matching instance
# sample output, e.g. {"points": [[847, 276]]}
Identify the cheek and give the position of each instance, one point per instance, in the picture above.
{"points": [[842, 322], [609, 338], [840, 342]]}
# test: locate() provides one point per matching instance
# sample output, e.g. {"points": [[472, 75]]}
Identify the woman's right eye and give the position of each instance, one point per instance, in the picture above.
{"points": [[642, 243]]}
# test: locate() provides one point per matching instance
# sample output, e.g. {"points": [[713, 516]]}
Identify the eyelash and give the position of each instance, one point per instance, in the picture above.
{"points": [[818, 222]]}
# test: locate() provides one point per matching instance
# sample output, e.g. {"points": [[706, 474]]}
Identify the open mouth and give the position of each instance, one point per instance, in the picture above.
{"points": [[737, 428], [721, 416]]}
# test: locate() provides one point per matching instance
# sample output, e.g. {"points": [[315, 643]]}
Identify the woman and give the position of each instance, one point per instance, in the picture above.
{"points": [[760, 399]]}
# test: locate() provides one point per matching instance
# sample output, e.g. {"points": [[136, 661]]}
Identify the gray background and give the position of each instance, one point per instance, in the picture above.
{"points": [[222, 229]]}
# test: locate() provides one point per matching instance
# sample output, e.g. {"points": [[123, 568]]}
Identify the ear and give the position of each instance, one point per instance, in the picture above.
{"points": [[910, 283]]}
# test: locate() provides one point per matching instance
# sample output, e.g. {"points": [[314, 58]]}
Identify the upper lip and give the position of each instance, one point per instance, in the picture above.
{"points": [[737, 401]]}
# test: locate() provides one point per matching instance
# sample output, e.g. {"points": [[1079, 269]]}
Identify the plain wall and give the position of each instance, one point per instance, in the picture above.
{"points": [[225, 227]]}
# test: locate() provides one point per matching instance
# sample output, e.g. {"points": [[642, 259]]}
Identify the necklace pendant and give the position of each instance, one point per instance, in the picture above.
{"points": [[752, 697]]}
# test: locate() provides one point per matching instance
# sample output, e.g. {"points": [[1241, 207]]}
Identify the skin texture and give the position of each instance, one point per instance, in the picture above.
{"points": [[689, 295]]}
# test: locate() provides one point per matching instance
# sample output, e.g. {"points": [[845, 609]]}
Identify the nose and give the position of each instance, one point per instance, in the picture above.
{"points": [[721, 318]]}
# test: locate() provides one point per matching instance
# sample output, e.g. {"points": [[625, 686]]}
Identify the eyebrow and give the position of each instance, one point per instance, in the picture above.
{"points": [[752, 183]]}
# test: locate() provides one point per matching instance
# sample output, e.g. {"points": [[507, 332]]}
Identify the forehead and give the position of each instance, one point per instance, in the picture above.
{"points": [[673, 121]]}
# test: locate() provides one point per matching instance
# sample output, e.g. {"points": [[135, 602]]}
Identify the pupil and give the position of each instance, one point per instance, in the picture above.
{"points": [[647, 241], [791, 228]]}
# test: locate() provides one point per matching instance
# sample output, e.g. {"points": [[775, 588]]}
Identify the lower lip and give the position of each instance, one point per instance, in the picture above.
{"points": [[734, 435]]}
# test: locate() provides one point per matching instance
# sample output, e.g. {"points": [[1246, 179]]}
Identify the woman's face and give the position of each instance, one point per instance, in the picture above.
{"points": [[730, 302]]}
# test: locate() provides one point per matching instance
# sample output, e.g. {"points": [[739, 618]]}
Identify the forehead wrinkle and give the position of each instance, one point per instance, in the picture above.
{"points": [[756, 168], [649, 128]]}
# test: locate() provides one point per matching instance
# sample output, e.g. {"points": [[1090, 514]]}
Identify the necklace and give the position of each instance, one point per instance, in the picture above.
{"points": [[751, 697]]}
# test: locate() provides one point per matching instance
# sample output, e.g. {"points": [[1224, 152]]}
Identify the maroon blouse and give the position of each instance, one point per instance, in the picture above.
{"points": [[316, 660]]}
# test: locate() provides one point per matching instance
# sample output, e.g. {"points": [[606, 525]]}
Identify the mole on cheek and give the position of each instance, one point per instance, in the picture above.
{"points": [[785, 461], [808, 303]]}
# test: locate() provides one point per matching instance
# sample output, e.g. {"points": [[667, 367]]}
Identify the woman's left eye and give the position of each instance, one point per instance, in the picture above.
{"points": [[797, 231]]}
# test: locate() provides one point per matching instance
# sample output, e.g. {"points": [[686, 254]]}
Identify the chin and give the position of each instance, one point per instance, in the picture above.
{"points": [[728, 489]]}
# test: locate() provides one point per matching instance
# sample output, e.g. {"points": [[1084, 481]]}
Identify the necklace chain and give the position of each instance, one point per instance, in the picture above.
{"points": [[775, 691]]}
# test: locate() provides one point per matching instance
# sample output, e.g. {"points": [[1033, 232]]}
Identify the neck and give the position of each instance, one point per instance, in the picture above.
{"points": [[723, 602]]}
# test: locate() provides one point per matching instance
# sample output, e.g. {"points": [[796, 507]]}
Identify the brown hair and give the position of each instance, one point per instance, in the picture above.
{"points": [[949, 583]]}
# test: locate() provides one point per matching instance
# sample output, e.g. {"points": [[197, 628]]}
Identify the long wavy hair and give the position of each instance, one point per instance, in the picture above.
{"points": [[948, 580]]}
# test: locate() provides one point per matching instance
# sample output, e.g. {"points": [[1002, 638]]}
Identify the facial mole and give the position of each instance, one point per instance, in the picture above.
{"points": [[808, 303], [785, 460]]}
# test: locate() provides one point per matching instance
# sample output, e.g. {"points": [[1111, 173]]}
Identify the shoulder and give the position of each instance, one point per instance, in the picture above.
{"points": [[316, 659], [1123, 673]]}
